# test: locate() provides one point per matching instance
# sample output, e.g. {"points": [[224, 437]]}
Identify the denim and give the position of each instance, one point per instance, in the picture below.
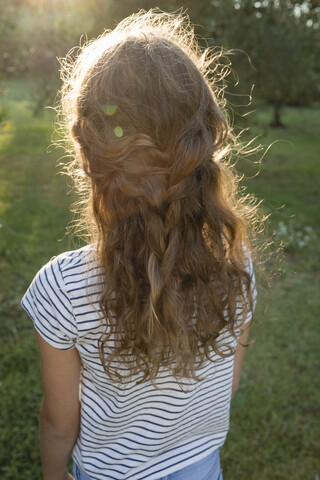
{"points": [[206, 469]]}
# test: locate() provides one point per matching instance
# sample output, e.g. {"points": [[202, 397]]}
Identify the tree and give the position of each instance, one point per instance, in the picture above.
{"points": [[107, 14], [281, 38], [32, 35]]}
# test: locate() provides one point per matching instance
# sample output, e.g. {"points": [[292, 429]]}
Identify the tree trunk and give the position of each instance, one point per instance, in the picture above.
{"points": [[276, 122]]}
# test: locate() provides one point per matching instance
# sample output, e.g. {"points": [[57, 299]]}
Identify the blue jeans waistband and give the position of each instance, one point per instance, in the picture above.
{"points": [[206, 469]]}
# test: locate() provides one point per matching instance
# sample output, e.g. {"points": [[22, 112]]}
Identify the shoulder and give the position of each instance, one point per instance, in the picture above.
{"points": [[48, 299], [66, 265], [71, 261]]}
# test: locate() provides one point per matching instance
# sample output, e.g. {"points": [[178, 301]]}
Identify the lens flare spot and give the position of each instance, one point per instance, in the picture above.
{"points": [[109, 109], [118, 132]]}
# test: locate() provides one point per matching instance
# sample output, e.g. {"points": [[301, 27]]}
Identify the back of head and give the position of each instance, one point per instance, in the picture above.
{"points": [[150, 136], [136, 93]]}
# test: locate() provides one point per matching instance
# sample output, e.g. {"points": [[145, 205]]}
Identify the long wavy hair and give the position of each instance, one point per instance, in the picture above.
{"points": [[151, 154]]}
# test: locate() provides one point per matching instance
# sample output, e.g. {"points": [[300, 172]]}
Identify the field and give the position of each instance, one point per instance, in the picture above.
{"points": [[275, 428]]}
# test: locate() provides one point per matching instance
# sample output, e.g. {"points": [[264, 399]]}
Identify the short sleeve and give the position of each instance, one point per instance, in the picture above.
{"points": [[248, 266], [47, 303]]}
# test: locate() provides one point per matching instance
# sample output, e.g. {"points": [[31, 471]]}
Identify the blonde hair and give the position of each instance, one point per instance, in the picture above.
{"points": [[143, 109]]}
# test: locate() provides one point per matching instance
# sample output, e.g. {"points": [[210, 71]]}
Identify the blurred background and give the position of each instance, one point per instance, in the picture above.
{"points": [[274, 96]]}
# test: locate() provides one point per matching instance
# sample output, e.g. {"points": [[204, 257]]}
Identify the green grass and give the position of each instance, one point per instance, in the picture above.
{"points": [[33, 215], [274, 430], [289, 178]]}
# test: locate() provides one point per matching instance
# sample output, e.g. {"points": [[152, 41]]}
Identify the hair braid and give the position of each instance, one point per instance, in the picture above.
{"points": [[145, 115]]}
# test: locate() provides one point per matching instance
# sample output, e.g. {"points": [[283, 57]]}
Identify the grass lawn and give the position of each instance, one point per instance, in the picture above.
{"points": [[275, 429]]}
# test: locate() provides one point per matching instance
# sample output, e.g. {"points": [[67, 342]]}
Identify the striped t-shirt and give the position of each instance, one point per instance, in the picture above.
{"points": [[128, 431]]}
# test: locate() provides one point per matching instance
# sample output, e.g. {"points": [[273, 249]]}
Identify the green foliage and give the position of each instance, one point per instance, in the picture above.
{"points": [[281, 39], [34, 35]]}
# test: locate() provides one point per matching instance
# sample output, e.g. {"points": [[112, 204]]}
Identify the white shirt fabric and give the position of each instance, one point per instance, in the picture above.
{"points": [[128, 431]]}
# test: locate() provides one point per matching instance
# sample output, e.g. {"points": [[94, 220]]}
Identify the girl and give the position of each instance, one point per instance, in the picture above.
{"points": [[141, 332]]}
